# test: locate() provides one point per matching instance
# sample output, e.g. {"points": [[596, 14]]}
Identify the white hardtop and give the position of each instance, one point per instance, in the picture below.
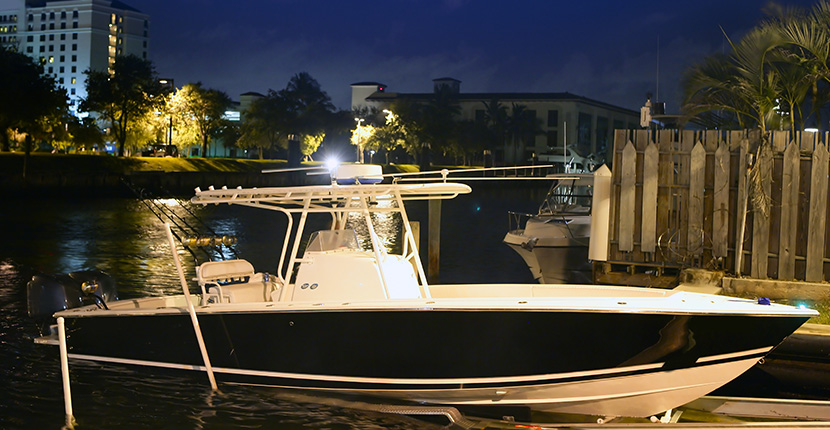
{"points": [[333, 266], [291, 197]]}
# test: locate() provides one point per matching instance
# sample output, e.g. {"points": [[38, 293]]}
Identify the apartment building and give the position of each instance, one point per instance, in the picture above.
{"points": [[580, 124], [71, 36]]}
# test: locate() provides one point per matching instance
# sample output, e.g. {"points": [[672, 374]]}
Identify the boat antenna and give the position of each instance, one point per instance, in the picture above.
{"points": [[657, 84]]}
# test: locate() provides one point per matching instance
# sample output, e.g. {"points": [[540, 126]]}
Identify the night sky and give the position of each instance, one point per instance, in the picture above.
{"points": [[605, 50]]}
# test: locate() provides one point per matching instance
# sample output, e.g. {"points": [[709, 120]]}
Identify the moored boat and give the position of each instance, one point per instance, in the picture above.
{"points": [[554, 241], [346, 317]]}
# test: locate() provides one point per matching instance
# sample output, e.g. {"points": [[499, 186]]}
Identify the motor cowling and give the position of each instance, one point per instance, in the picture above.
{"points": [[95, 282], [47, 294]]}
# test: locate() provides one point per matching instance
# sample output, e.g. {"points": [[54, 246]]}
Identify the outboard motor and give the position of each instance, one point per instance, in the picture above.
{"points": [[49, 294]]}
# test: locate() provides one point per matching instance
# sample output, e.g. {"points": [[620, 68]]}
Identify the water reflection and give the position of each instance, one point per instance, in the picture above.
{"points": [[387, 226], [124, 238]]}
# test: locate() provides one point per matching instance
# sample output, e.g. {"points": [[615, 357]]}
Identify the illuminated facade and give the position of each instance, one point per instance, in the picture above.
{"points": [[71, 36], [583, 124]]}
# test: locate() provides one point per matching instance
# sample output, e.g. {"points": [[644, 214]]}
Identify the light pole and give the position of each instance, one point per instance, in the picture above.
{"points": [[359, 133], [168, 84]]}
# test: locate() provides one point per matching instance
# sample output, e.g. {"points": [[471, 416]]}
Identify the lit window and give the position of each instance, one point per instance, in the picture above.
{"points": [[51, 59], [73, 79]]}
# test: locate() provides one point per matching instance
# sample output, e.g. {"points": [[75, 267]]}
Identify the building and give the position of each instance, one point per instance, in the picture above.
{"points": [[580, 124], [71, 36]]}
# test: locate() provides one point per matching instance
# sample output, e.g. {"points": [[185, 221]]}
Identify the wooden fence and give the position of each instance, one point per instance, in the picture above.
{"points": [[712, 200]]}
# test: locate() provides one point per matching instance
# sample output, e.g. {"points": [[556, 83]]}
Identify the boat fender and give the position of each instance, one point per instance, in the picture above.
{"points": [[530, 244], [763, 301]]}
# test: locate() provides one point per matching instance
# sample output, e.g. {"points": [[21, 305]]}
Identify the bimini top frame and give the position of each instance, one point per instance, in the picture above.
{"points": [[339, 201]]}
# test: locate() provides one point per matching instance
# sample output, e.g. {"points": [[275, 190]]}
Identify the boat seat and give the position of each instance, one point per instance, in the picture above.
{"points": [[233, 281], [225, 272]]}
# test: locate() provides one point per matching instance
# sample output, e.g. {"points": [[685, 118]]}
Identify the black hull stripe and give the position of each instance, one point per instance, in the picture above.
{"points": [[324, 382]]}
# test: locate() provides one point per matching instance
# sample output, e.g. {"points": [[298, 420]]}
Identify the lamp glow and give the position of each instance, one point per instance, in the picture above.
{"points": [[332, 163]]}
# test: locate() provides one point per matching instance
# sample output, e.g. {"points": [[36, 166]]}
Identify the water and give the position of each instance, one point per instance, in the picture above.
{"points": [[123, 238]]}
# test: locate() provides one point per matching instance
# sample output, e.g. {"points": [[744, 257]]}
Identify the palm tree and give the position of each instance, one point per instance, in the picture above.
{"points": [[745, 83], [311, 109], [522, 126], [495, 120], [438, 123], [808, 38]]}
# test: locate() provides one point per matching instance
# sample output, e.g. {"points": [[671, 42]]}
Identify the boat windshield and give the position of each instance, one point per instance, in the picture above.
{"points": [[568, 196], [330, 240]]}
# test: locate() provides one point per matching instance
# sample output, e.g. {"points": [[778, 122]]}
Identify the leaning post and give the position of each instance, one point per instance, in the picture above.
{"points": [[434, 251]]}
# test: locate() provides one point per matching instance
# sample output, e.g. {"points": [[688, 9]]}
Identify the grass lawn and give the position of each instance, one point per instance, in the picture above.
{"points": [[12, 163]]}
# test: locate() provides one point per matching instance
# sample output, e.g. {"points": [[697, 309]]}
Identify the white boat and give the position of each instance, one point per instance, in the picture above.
{"points": [[346, 318], [554, 241]]}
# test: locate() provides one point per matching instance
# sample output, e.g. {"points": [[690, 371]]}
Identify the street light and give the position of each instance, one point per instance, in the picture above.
{"points": [[359, 133], [168, 84]]}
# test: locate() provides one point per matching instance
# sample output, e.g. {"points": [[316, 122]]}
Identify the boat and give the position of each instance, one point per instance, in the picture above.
{"points": [[345, 316], [554, 241]]}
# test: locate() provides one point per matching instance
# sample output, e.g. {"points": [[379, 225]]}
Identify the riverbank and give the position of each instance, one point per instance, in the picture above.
{"points": [[104, 175]]}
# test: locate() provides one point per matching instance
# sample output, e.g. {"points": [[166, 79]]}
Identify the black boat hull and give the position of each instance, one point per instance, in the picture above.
{"points": [[611, 363]]}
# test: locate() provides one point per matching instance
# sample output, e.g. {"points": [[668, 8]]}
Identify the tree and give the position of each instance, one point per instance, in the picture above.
{"points": [[265, 125], [404, 127], [495, 122], [203, 108], [310, 143], [30, 96], [362, 138], [308, 110], [522, 126], [85, 133], [132, 90], [437, 124], [808, 39]]}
